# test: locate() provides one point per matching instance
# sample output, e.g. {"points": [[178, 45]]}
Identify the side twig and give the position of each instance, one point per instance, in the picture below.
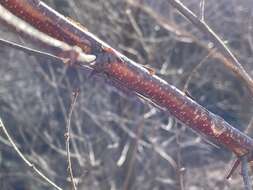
{"points": [[127, 74], [28, 50], [27, 162], [184, 35], [245, 173], [201, 25], [180, 168], [133, 155], [67, 138], [195, 69]]}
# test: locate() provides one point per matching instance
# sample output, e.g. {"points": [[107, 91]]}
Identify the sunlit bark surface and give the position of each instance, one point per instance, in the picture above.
{"points": [[129, 75]]}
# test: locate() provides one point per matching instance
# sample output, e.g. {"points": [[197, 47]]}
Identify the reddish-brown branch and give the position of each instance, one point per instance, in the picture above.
{"points": [[225, 56], [131, 76]]}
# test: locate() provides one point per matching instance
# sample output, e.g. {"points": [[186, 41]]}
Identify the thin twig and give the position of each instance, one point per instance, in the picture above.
{"points": [[245, 173], [130, 75], [29, 50], [67, 137], [130, 167], [188, 37], [235, 165], [195, 69], [180, 168], [249, 129], [27, 162], [202, 9], [201, 25], [38, 36]]}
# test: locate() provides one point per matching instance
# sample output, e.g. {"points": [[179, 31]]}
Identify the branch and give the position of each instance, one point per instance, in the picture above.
{"points": [[27, 162], [202, 26], [245, 173], [61, 48], [29, 50], [67, 137], [184, 35], [129, 75]]}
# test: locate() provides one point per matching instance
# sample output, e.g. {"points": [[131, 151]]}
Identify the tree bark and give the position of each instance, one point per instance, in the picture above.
{"points": [[129, 75]]}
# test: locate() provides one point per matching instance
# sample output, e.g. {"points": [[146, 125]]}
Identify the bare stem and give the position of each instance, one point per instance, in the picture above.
{"points": [[195, 69], [202, 26], [67, 137], [27, 162], [180, 168], [245, 173], [129, 75], [133, 156], [28, 50]]}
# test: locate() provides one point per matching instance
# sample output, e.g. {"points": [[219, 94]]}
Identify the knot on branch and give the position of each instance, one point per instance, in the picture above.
{"points": [[103, 61]]}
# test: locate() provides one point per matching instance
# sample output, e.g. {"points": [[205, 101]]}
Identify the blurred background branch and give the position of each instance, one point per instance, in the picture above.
{"points": [[34, 99]]}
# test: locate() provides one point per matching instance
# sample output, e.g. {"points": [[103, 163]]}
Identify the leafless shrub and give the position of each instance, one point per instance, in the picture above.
{"points": [[35, 95]]}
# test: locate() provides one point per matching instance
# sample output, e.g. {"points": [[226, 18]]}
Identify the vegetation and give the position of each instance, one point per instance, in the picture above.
{"points": [[116, 141]]}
